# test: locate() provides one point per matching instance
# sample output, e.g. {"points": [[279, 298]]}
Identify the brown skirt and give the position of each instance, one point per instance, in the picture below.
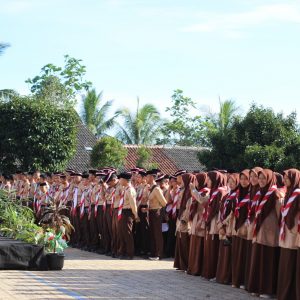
{"points": [[223, 274], [298, 275], [210, 254], [263, 269], [195, 255], [286, 289], [247, 262], [239, 251], [182, 251]]}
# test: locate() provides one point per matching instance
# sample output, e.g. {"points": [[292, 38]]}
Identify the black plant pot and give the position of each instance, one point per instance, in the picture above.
{"points": [[55, 261]]}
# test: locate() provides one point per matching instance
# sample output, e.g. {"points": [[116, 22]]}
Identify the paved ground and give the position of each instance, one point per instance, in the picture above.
{"points": [[92, 276]]}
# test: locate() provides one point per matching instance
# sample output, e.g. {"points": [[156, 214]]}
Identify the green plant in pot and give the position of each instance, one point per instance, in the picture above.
{"points": [[57, 227]]}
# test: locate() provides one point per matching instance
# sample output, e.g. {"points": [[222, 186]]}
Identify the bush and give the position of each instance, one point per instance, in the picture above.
{"points": [[108, 152]]}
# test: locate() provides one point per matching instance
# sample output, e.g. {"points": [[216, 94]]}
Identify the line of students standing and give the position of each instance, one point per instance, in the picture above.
{"points": [[242, 229]]}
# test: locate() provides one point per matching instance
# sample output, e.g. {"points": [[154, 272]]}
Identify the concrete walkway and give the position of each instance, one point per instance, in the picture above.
{"points": [[92, 276]]}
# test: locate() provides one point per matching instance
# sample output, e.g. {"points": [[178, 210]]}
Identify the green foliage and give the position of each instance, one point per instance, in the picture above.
{"points": [[54, 217], [60, 85], [108, 152], [182, 130], [141, 127], [261, 138], [54, 242], [36, 134], [95, 115], [17, 221], [144, 158]]}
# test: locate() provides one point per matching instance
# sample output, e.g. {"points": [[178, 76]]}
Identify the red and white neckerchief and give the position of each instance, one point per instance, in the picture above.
{"points": [[285, 210], [38, 203], [211, 199], [81, 203], [229, 199], [175, 197], [260, 205], [252, 205], [64, 195], [75, 200], [112, 200], [121, 203], [240, 204], [97, 201], [139, 197]]}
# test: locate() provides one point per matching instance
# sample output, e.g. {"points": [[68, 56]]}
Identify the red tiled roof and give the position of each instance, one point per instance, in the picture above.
{"points": [[169, 159]]}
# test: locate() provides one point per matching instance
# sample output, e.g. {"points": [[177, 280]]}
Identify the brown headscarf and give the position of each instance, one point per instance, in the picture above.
{"points": [[294, 177], [227, 203], [202, 183], [271, 203], [271, 180], [242, 193], [254, 189], [202, 180], [217, 179], [187, 178]]}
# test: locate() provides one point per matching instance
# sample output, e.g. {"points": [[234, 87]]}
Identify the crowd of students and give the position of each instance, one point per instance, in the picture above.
{"points": [[241, 229]]}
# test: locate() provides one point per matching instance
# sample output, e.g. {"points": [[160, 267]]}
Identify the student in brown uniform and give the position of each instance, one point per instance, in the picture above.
{"points": [[239, 230], [111, 180], [98, 211], [183, 225], [142, 228], [127, 213], [265, 251], [224, 268], [156, 202], [254, 196], [290, 213], [215, 182], [115, 224], [200, 196], [172, 212], [83, 212]]}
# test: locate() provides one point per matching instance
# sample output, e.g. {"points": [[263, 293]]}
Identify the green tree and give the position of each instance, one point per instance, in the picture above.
{"points": [[60, 84], [182, 129], [95, 115], [145, 158], [108, 151], [36, 134], [141, 127], [260, 138]]}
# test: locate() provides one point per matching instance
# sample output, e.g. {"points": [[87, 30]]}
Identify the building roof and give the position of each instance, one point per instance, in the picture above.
{"points": [[85, 142], [169, 159]]}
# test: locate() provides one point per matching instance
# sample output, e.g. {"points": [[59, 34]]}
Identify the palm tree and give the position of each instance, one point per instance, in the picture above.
{"points": [[222, 121], [141, 127], [94, 115]]}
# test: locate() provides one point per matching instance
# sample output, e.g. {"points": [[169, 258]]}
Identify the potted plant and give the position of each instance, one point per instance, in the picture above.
{"points": [[57, 228], [54, 246]]}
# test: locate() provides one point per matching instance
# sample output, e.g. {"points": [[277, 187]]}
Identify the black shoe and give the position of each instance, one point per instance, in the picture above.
{"points": [[108, 253]]}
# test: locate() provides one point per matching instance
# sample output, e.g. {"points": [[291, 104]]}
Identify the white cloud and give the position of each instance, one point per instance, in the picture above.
{"points": [[231, 24]]}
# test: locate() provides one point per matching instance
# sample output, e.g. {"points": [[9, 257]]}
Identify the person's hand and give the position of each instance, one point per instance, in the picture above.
{"points": [[192, 186], [222, 232], [144, 209], [137, 219]]}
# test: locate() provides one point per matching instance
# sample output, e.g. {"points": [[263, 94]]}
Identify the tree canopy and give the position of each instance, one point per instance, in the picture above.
{"points": [[36, 134], [108, 152], [261, 138]]}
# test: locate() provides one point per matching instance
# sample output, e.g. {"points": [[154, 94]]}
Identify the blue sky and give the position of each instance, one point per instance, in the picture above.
{"points": [[236, 49]]}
